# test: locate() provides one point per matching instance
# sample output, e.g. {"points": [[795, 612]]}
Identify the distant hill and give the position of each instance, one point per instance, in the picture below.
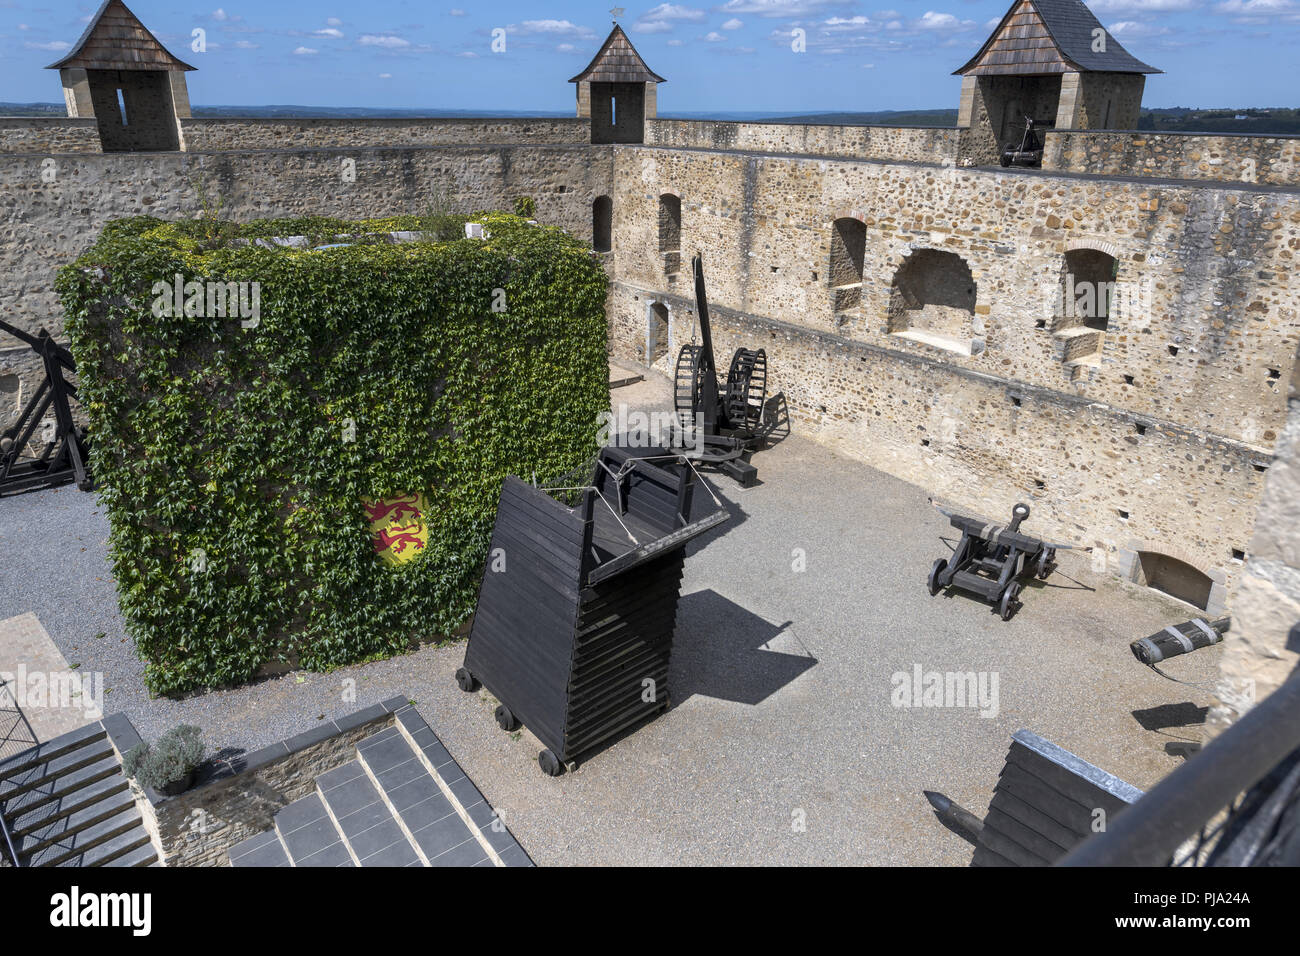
{"points": [[1263, 121], [1273, 120]]}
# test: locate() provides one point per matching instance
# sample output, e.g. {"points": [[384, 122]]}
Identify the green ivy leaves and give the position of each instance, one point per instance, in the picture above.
{"points": [[233, 461]]}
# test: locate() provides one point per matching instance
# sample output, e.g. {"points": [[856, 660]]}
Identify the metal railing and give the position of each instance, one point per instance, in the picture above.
{"points": [[16, 735], [1232, 796]]}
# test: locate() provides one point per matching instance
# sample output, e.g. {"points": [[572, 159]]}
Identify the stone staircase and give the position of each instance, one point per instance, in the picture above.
{"points": [[402, 802], [67, 803]]}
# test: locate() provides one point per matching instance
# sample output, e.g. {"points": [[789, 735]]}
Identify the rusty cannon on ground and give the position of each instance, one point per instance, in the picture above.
{"points": [[991, 559], [721, 427], [62, 454], [574, 628]]}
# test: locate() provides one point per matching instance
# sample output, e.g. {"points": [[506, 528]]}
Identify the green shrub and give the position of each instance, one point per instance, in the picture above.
{"points": [[525, 207], [232, 490], [176, 755]]}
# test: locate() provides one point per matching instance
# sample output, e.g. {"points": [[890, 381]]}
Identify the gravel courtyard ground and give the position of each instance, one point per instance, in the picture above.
{"points": [[783, 745]]}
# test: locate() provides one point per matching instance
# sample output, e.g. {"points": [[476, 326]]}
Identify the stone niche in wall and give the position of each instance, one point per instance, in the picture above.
{"points": [[932, 301]]}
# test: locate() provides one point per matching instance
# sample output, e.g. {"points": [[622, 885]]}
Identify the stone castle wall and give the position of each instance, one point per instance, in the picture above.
{"points": [[204, 135], [921, 144], [1161, 442], [45, 225], [949, 364], [1266, 160], [1263, 647], [22, 134]]}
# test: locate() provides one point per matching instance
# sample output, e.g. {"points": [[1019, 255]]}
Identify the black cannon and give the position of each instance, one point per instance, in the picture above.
{"points": [[574, 627], [990, 560], [1029, 152], [63, 449], [723, 427]]}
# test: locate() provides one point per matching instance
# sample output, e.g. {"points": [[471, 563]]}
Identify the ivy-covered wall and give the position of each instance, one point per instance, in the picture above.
{"points": [[236, 453]]}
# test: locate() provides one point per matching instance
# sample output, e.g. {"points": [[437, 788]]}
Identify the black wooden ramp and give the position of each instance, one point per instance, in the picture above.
{"points": [[574, 627], [1047, 801]]}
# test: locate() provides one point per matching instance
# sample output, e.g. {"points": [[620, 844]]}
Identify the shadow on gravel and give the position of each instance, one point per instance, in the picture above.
{"points": [[721, 651]]}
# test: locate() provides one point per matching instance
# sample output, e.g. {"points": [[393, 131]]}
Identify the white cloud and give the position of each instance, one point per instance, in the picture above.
{"points": [[468, 55], [713, 36], [661, 19], [674, 42], [385, 76], [733, 24], [305, 51], [456, 12], [549, 27], [54, 46], [329, 33], [782, 8], [1143, 6], [1130, 29], [942, 21], [1259, 11], [566, 48], [219, 14], [246, 45], [334, 22], [387, 41]]}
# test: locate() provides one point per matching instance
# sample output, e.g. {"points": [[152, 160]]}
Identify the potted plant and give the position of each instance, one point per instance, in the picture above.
{"points": [[168, 766]]}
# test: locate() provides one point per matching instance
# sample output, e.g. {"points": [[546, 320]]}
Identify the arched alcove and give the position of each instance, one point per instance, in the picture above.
{"points": [[670, 232], [657, 332], [848, 252], [932, 300], [602, 224], [1084, 305], [1177, 578]]}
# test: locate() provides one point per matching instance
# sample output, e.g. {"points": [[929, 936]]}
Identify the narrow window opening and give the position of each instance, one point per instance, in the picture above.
{"points": [[121, 104], [1238, 555]]}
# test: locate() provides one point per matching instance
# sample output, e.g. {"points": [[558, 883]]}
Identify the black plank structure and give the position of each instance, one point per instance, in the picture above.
{"points": [[576, 611], [1047, 801], [62, 457]]}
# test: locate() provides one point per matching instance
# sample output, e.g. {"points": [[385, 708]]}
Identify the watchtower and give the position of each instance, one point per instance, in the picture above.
{"points": [[617, 91], [1051, 61], [121, 75]]}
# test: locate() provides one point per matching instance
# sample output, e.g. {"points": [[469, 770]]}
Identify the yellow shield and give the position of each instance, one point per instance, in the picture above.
{"points": [[398, 527]]}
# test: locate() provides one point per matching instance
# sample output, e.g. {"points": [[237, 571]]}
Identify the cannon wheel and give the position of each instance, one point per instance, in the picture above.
{"points": [[465, 680], [1007, 607], [686, 384], [747, 388], [939, 566], [1046, 561], [550, 763], [505, 719]]}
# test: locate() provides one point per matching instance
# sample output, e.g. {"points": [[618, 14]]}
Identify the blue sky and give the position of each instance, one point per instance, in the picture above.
{"points": [[730, 55]]}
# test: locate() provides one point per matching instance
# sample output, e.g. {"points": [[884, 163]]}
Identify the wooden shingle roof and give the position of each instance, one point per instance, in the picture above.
{"points": [[117, 40], [617, 62], [1038, 37]]}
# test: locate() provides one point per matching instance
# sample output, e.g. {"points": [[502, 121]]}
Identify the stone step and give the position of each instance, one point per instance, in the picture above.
{"points": [[309, 835], [64, 827], [113, 852], [62, 787], [143, 855], [265, 849], [489, 831], [47, 773], [416, 795], [44, 753], [76, 795], [78, 849], [371, 833]]}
